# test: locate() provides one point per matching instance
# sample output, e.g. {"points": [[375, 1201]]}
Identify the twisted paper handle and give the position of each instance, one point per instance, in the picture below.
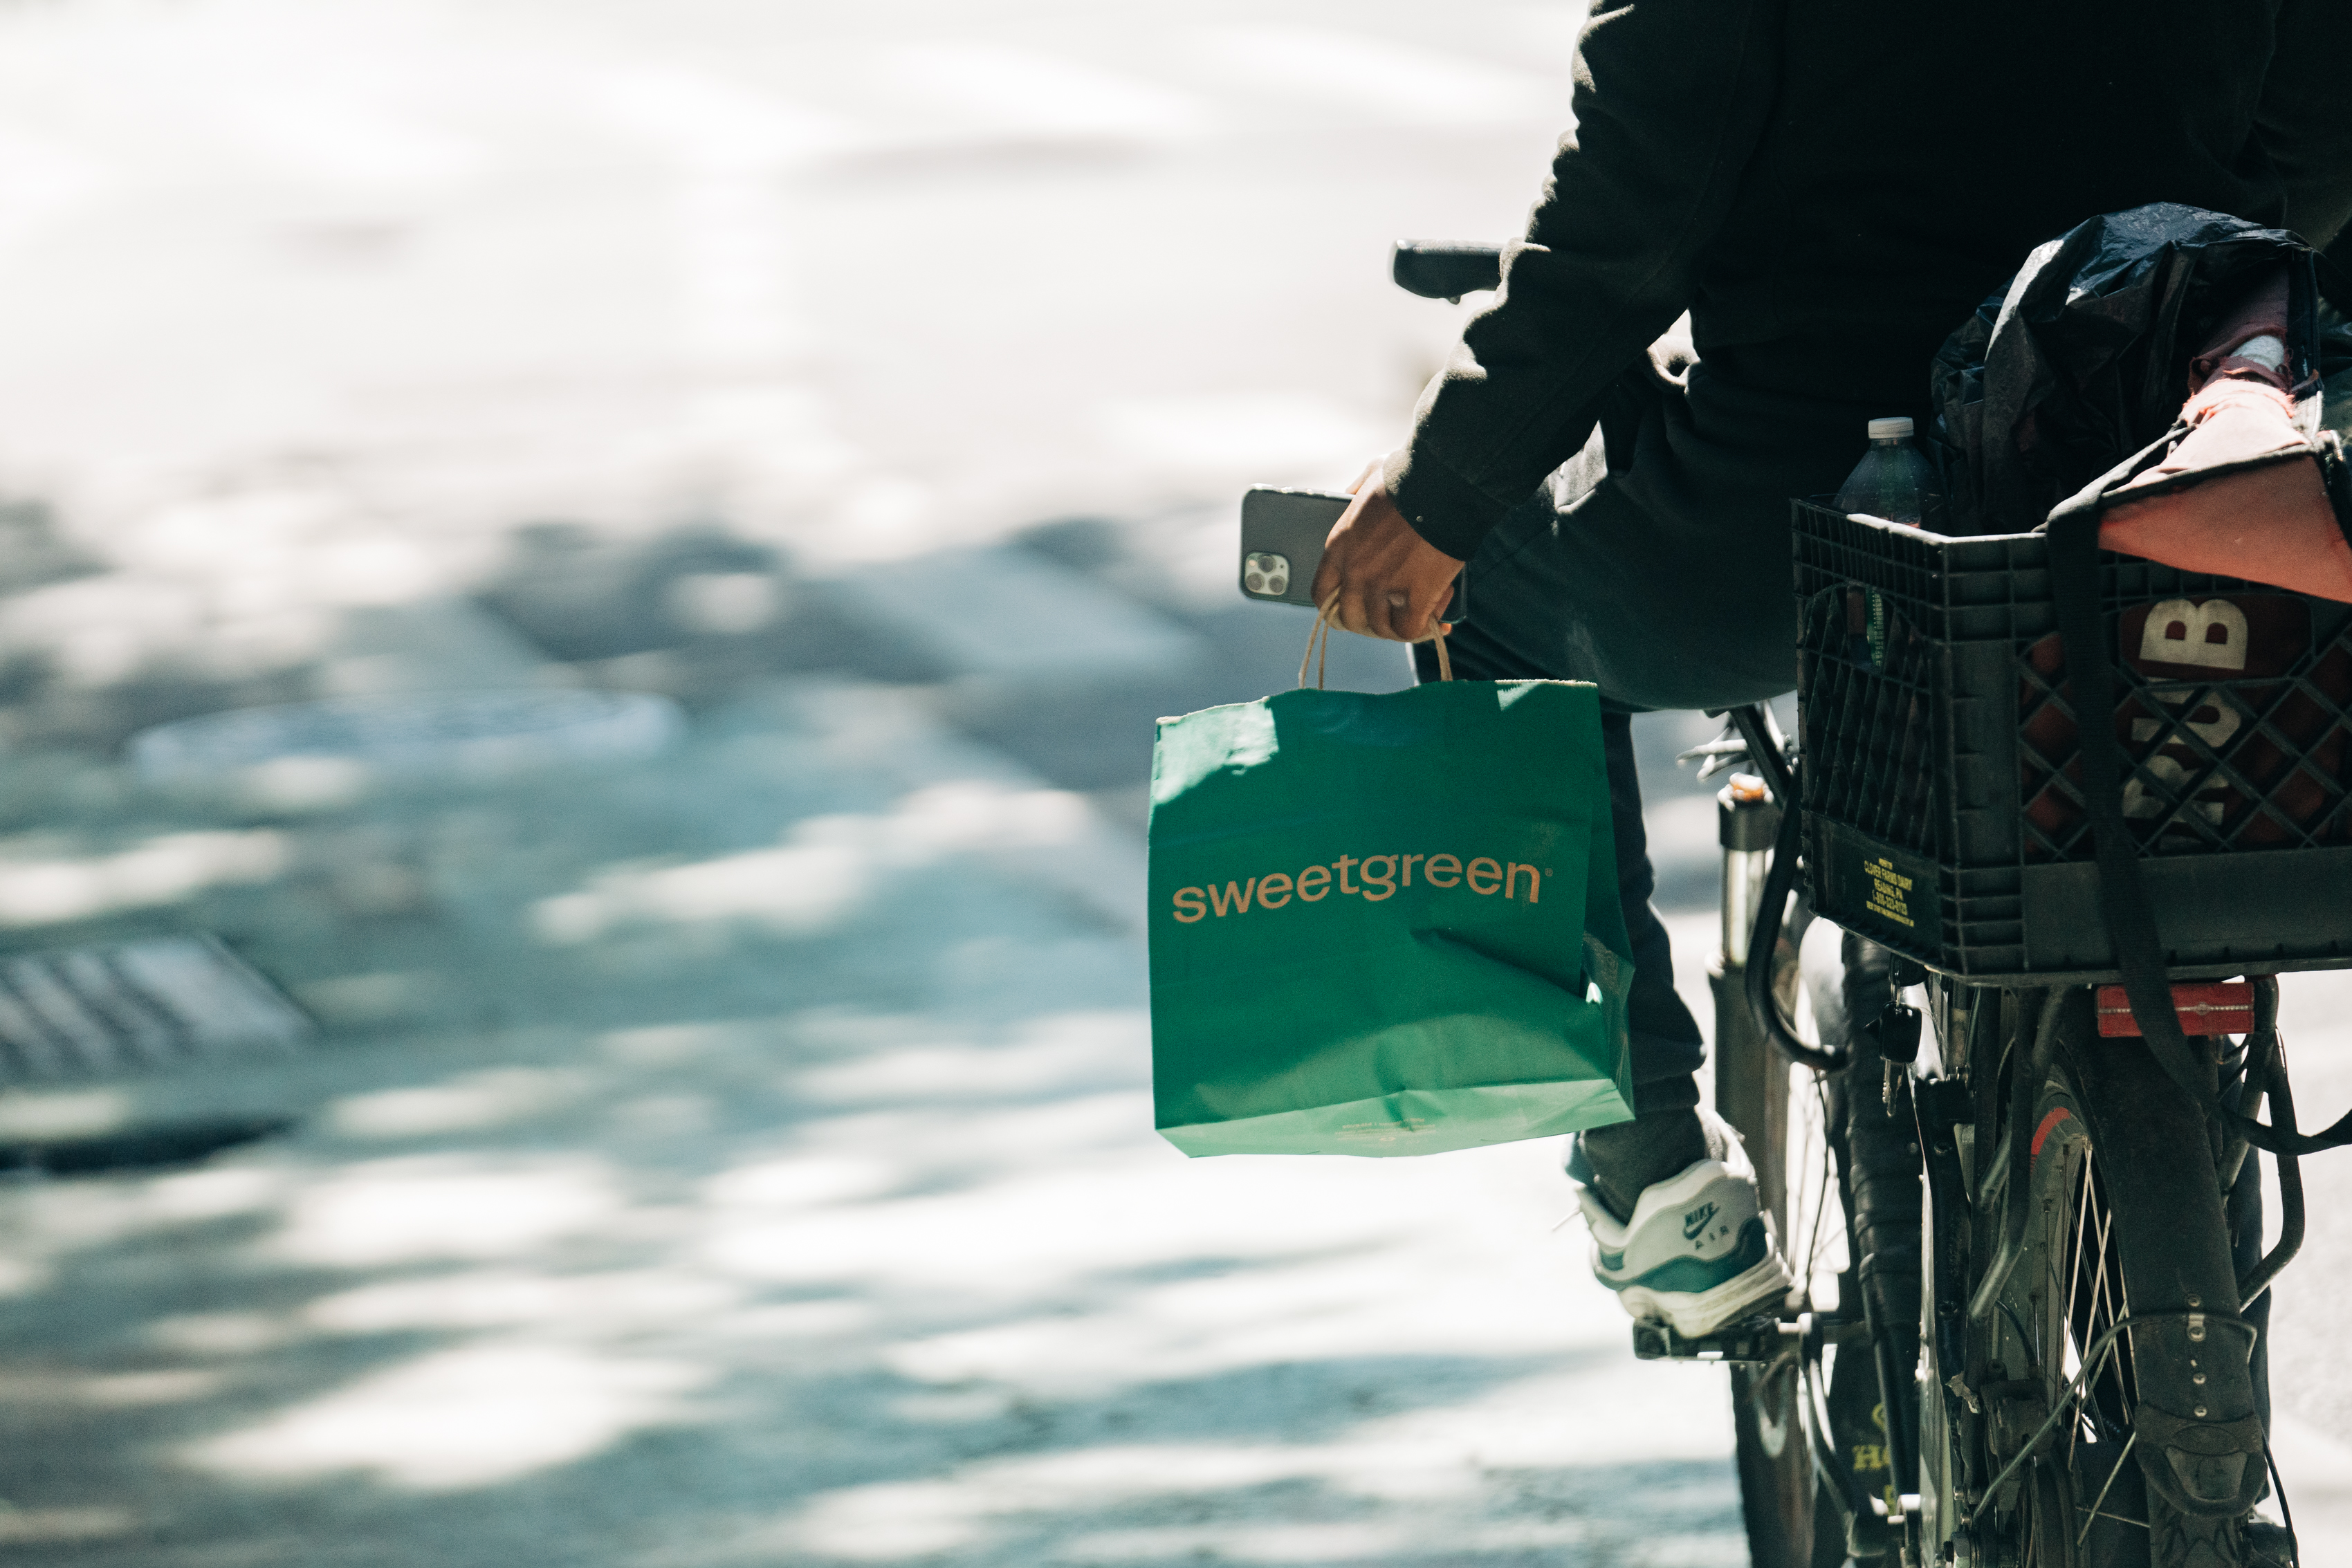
{"points": [[1318, 646]]}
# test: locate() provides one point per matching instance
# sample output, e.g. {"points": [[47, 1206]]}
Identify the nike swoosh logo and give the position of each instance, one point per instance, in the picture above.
{"points": [[1697, 1221]]}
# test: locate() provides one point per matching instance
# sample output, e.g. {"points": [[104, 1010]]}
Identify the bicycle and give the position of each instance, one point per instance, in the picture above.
{"points": [[2020, 1200]]}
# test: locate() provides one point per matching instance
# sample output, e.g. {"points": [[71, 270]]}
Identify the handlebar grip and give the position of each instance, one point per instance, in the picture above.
{"points": [[1445, 269]]}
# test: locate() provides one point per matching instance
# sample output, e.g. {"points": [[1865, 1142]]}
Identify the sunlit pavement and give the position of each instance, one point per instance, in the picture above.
{"points": [[677, 1187], [742, 1155]]}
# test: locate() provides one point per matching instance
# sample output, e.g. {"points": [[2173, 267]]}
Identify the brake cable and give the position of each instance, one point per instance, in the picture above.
{"points": [[1764, 943]]}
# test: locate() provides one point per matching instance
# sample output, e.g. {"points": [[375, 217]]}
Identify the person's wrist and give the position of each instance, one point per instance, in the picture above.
{"points": [[1444, 510]]}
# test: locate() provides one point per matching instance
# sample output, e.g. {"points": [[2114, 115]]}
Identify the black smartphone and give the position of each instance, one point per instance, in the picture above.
{"points": [[1282, 544]]}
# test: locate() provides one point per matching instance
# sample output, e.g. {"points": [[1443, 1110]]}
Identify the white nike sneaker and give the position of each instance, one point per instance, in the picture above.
{"points": [[1697, 1253]]}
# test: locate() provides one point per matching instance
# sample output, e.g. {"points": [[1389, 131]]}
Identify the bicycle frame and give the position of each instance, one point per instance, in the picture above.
{"points": [[1755, 1041]]}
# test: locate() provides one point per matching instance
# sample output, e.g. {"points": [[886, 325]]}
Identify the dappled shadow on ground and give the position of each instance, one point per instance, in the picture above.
{"points": [[744, 1155], [495, 1357]]}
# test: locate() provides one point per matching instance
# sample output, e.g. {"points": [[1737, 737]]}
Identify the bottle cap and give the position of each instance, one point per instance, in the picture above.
{"points": [[1895, 429]]}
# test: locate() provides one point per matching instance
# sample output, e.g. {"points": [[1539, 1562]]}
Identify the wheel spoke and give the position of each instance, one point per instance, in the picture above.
{"points": [[2067, 1289], [1819, 1214], [2097, 1309], [2063, 1324], [2109, 1303], [2082, 1224], [2074, 1288], [2094, 1513]]}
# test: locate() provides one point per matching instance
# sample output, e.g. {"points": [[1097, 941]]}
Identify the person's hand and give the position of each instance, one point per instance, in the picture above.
{"points": [[1390, 582]]}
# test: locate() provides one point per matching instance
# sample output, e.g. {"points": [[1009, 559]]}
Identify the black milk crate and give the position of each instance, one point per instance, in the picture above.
{"points": [[1943, 793]]}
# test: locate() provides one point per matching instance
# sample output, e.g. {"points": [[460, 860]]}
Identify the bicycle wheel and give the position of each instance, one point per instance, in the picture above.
{"points": [[2046, 1437], [1775, 1467], [1814, 1418]]}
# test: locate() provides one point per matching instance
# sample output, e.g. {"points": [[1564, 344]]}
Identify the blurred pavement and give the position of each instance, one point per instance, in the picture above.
{"points": [[742, 1155]]}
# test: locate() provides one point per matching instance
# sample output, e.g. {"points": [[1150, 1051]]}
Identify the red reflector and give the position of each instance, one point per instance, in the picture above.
{"points": [[2208, 1007]]}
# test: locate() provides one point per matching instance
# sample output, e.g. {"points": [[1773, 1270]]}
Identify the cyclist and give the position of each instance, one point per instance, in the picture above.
{"points": [[1827, 187]]}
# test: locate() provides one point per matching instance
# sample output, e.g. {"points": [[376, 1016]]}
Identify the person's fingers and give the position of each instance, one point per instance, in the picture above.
{"points": [[1350, 519], [1330, 572], [1328, 614], [1327, 582], [1417, 624], [1395, 617], [1384, 603], [1338, 545], [1389, 583], [1413, 625]]}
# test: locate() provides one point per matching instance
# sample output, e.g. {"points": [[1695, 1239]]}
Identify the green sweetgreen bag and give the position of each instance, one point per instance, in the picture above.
{"points": [[1386, 925]]}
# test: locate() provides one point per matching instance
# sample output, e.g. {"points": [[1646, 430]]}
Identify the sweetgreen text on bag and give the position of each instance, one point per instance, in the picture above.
{"points": [[1386, 925]]}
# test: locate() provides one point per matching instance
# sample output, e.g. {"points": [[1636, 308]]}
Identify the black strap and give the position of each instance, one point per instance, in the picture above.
{"points": [[2074, 532], [2335, 477], [2331, 282]]}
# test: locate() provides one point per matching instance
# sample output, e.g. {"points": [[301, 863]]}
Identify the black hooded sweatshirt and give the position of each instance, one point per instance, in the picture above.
{"points": [[1829, 187]]}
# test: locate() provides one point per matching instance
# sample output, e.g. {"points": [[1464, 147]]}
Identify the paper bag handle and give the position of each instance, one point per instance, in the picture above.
{"points": [[1318, 646]]}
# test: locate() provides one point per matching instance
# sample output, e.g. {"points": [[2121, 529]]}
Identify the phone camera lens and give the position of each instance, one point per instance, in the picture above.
{"points": [[1266, 574]]}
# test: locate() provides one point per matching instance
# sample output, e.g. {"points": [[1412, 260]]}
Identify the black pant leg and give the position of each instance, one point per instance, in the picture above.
{"points": [[1667, 1048]]}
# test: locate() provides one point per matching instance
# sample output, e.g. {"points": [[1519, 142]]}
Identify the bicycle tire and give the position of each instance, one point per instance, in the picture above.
{"points": [[2123, 1204], [1817, 1411], [1775, 1469]]}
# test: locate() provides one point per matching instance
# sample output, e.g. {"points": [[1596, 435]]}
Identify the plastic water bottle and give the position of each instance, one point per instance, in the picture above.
{"points": [[1894, 481]]}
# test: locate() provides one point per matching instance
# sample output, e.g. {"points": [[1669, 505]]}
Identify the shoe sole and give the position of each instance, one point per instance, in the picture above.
{"points": [[1695, 1316]]}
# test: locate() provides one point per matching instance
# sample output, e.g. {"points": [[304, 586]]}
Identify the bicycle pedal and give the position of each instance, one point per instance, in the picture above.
{"points": [[1752, 1339]]}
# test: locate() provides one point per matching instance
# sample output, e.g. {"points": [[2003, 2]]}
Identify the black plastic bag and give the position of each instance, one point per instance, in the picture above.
{"points": [[2084, 361]]}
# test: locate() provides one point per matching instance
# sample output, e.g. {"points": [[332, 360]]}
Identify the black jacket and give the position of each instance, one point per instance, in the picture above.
{"points": [[1830, 187]]}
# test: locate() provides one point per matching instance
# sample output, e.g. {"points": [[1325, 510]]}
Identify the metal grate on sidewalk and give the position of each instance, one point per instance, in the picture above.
{"points": [[83, 1013]]}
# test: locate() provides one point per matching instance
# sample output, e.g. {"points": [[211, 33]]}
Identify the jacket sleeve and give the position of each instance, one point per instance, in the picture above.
{"points": [[1672, 98], [2306, 114]]}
